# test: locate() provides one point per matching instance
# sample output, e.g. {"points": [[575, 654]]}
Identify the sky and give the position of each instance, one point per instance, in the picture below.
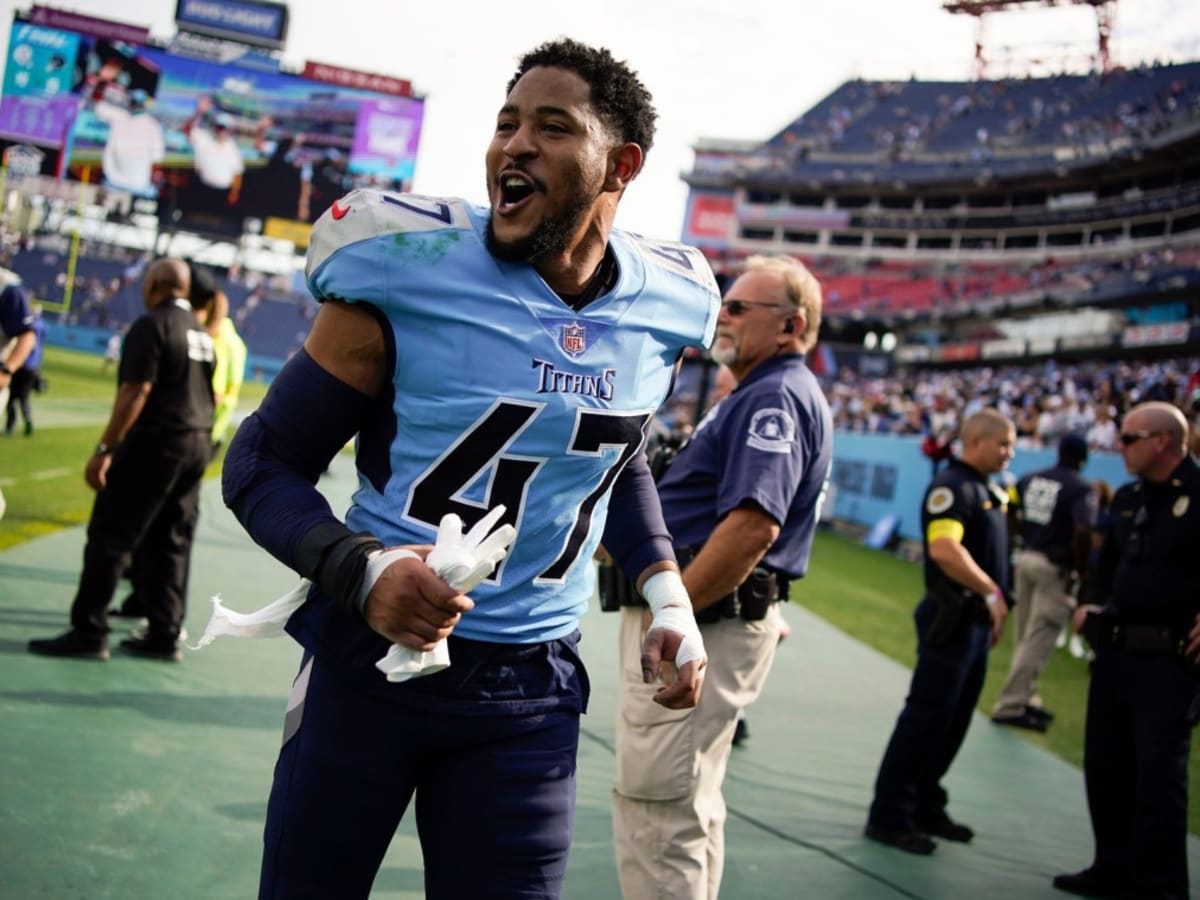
{"points": [[732, 69]]}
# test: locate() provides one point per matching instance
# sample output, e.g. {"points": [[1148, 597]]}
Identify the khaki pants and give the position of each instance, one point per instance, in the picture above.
{"points": [[1043, 608], [668, 812]]}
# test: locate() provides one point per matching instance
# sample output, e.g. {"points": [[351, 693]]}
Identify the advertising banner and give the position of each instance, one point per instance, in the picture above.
{"points": [[710, 220], [214, 142]]}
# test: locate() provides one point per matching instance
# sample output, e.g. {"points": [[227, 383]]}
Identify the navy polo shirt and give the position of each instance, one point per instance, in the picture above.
{"points": [[769, 441]]}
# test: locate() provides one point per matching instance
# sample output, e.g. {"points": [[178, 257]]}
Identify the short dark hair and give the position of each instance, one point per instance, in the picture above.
{"points": [[203, 285], [620, 98], [1072, 451]]}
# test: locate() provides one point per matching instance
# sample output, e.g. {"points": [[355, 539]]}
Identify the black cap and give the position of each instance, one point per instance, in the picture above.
{"points": [[1072, 450]]}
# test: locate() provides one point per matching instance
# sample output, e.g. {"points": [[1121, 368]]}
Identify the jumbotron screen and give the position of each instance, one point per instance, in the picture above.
{"points": [[213, 143]]}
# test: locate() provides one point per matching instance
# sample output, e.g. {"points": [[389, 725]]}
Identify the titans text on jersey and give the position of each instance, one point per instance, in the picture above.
{"points": [[509, 395]]}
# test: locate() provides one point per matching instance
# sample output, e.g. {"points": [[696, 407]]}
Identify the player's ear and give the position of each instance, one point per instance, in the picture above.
{"points": [[624, 163]]}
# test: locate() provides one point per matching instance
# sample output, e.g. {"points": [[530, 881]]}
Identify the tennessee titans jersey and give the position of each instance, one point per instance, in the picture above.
{"points": [[504, 394]]}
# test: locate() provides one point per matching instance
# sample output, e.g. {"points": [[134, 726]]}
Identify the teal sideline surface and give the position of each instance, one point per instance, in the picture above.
{"points": [[133, 779]]}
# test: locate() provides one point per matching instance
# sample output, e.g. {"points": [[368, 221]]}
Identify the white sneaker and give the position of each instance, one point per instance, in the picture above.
{"points": [[1079, 650]]}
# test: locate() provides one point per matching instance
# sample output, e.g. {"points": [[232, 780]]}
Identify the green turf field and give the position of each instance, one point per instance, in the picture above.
{"points": [[868, 594], [42, 475]]}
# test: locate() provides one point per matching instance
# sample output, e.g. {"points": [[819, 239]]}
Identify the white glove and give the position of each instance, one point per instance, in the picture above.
{"points": [[462, 562], [262, 623], [672, 609]]}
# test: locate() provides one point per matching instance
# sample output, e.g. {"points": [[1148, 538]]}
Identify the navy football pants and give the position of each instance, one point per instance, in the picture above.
{"points": [[495, 794], [946, 684]]}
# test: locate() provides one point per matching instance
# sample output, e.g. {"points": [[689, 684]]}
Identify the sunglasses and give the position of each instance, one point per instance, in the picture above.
{"points": [[736, 307], [1129, 438]]}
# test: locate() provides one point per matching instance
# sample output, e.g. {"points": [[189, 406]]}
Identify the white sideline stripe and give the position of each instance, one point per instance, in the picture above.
{"points": [[44, 475], [47, 474]]}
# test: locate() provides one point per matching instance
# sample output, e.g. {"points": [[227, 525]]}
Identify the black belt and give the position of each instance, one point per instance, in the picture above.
{"points": [[727, 607], [749, 602], [1140, 639]]}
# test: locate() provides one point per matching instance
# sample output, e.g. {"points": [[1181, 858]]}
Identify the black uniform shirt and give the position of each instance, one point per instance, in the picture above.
{"points": [[168, 348], [1052, 503], [960, 503], [1148, 568]]}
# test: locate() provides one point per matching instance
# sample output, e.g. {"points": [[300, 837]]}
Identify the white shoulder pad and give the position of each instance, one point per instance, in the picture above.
{"points": [[365, 214], [678, 258]]}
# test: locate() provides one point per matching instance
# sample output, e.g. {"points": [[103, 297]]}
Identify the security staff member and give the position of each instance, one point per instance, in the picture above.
{"points": [[741, 500], [1056, 512], [960, 617], [146, 472], [1144, 625]]}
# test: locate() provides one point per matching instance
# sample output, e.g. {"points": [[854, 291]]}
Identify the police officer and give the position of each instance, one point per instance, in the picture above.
{"points": [[741, 500], [146, 472], [1056, 511], [1144, 625], [958, 620]]}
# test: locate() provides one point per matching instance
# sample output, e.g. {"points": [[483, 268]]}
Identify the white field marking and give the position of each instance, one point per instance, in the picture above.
{"points": [[48, 474], [44, 475]]}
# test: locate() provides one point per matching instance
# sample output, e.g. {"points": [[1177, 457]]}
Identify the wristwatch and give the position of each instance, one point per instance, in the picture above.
{"points": [[103, 449]]}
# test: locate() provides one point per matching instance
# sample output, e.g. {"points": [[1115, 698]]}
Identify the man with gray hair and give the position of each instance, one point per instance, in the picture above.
{"points": [[742, 500], [1144, 698]]}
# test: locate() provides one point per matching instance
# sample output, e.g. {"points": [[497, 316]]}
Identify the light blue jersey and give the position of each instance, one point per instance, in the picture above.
{"points": [[503, 393]]}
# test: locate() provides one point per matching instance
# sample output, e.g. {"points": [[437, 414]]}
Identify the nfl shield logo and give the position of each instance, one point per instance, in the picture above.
{"points": [[573, 339]]}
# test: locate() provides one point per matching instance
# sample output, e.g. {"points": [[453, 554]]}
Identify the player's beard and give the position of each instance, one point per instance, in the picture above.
{"points": [[553, 233]]}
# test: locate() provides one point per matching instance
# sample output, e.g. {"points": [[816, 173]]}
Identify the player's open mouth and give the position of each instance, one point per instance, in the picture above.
{"points": [[515, 189]]}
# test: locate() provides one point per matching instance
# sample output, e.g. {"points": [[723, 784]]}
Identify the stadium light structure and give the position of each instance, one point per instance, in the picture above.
{"points": [[1105, 14]]}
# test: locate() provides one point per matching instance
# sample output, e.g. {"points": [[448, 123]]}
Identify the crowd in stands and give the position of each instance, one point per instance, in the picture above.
{"points": [[270, 316], [898, 287], [899, 120], [1045, 401]]}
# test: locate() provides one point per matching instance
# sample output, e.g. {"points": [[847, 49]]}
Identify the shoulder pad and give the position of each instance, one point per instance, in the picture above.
{"points": [[363, 215], [678, 258]]}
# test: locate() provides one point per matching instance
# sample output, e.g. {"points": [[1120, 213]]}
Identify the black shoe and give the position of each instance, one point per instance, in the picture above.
{"points": [[1024, 719], [1091, 882], [141, 631], [741, 732], [71, 644], [943, 826], [907, 839], [1041, 712], [130, 608], [153, 648]]}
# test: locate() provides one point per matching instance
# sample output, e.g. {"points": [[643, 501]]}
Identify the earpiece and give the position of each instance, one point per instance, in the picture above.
{"points": [[789, 326]]}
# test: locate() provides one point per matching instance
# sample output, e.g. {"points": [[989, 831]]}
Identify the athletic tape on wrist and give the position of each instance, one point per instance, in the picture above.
{"points": [[668, 600], [377, 562]]}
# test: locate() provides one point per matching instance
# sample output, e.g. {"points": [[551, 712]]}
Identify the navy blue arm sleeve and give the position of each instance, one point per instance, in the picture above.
{"points": [[272, 466], [636, 534]]}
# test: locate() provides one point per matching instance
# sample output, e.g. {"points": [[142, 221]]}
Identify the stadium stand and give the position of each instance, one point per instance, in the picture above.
{"points": [[981, 223]]}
